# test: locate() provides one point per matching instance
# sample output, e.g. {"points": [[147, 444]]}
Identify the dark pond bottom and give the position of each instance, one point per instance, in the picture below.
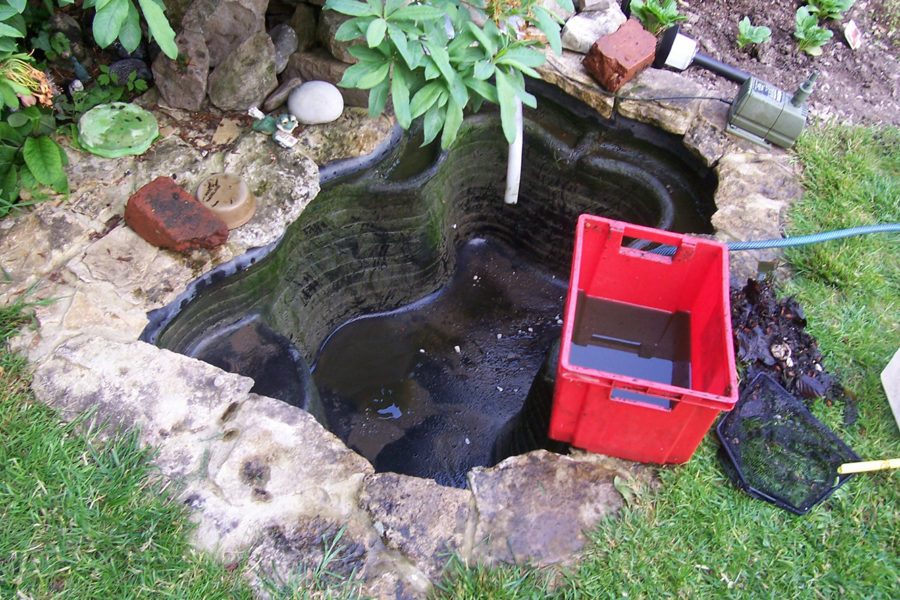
{"points": [[423, 390]]}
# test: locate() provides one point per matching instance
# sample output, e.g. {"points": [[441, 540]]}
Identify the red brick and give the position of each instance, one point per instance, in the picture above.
{"points": [[617, 58], [166, 215]]}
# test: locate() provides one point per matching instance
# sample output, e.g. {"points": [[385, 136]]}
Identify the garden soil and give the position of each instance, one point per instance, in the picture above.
{"points": [[854, 86]]}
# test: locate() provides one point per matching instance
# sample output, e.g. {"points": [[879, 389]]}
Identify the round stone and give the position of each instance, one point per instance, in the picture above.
{"points": [[229, 197], [117, 129], [316, 102]]}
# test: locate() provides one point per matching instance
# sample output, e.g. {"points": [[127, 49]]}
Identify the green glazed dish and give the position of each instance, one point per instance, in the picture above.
{"points": [[117, 129]]}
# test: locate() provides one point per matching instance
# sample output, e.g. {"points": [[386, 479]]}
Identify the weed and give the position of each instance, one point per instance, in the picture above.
{"points": [[830, 9], [811, 36], [656, 15], [749, 35]]}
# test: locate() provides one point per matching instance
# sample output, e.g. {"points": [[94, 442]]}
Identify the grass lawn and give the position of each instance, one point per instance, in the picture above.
{"points": [[84, 519], [698, 536]]}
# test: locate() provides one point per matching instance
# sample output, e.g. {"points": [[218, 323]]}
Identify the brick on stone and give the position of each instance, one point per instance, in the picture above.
{"points": [[167, 216], [617, 58]]}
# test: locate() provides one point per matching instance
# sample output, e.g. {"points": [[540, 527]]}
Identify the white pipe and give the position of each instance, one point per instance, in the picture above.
{"points": [[514, 162]]}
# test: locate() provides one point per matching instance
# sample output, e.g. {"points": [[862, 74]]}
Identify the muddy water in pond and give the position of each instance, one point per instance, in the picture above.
{"points": [[396, 389], [631, 340]]}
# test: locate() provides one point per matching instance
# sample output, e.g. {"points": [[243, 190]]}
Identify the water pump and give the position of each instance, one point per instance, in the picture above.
{"points": [[761, 112]]}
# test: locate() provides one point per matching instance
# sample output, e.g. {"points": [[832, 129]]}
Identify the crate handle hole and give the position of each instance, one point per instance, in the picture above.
{"points": [[632, 397]]}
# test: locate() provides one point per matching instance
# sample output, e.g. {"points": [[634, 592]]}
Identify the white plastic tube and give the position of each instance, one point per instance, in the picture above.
{"points": [[514, 162]]}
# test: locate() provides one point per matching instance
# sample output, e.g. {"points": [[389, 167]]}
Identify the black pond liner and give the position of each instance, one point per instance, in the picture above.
{"points": [[778, 451], [411, 253]]}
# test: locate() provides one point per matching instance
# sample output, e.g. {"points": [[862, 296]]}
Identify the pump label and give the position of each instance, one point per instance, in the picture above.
{"points": [[770, 91]]}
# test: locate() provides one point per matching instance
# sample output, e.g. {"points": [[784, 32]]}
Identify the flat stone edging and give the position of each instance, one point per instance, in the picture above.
{"points": [[264, 479]]}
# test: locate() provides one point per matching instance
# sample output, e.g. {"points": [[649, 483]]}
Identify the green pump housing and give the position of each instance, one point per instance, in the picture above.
{"points": [[763, 113]]}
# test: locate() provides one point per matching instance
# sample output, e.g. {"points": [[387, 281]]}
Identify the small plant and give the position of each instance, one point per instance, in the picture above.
{"points": [[811, 36], [749, 35], [54, 45], [435, 62], [830, 9], [656, 15]]}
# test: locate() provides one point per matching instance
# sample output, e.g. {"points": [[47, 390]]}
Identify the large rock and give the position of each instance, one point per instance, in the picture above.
{"points": [[182, 82], [225, 24], [353, 134], [662, 98], [535, 508], [329, 21], [165, 215], [568, 74], [246, 77], [304, 23], [284, 38], [419, 518], [277, 98], [318, 65], [581, 31], [316, 102]]}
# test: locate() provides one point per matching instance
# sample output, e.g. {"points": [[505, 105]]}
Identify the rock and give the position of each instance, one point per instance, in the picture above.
{"points": [[246, 77], [553, 7], [167, 216], [304, 23], [421, 519], [316, 102], [353, 134], [182, 82], [284, 38], [318, 65], [706, 137], [675, 116], [175, 10], [121, 70], [329, 21], [617, 58], [277, 98], [534, 508], [225, 24], [117, 129], [581, 31], [568, 74], [594, 5]]}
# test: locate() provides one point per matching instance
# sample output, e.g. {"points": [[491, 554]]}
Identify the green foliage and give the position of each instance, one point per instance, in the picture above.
{"points": [[830, 9], [656, 15], [29, 159], [434, 62], [12, 24], [54, 46], [810, 35], [120, 20], [752, 34]]}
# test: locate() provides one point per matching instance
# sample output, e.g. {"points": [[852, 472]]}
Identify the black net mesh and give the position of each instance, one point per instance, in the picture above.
{"points": [[780, 452]]}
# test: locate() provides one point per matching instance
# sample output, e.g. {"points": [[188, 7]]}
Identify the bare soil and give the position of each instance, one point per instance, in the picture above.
{"points": [[854, 86]]}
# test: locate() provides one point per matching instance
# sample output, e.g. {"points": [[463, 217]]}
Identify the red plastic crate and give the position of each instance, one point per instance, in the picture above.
{"points": [[623, 415]]}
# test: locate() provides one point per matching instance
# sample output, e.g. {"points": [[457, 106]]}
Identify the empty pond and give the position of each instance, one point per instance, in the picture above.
{"points": [[410, 310]]}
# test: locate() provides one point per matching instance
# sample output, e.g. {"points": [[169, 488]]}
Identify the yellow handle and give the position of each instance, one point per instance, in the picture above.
{"points": [[869, 465]]}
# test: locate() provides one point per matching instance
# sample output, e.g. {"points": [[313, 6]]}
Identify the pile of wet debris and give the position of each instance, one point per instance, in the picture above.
{"points": [[770, 337]]}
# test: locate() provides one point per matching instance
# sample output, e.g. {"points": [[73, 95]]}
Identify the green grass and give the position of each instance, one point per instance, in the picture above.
{"points": [[700, 537], [85, 519]]}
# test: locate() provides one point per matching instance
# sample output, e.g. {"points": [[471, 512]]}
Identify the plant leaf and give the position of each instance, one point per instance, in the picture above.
{"points": [[18, 119], [376, 75], [378, 98], [425, 98], [452, 121], [350, 7], [441, 60], [349, 30], [42, 159], [375, 32], [400, 42], [482, 38], [365, 54], [8, 95], [507, 99], [400, 96], [108, 22], [130, 35], [484, 89], [434, 120], [484, 70], [159, 27], [417, 12], [7, 31], [548, 25], [19, 5]]}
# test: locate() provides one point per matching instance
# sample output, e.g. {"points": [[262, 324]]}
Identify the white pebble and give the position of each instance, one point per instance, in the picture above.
{"points": [[499, 335], [422, 350], [499, 389], [457, 348], [468, 442]]}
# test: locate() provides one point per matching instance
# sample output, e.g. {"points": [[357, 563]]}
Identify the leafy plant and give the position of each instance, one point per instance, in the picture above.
{"points": [[29, 158], [749, 34], [830, 9], [120, 19], [53, 45], [656, 15], [810, 35], [435, 62]]}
